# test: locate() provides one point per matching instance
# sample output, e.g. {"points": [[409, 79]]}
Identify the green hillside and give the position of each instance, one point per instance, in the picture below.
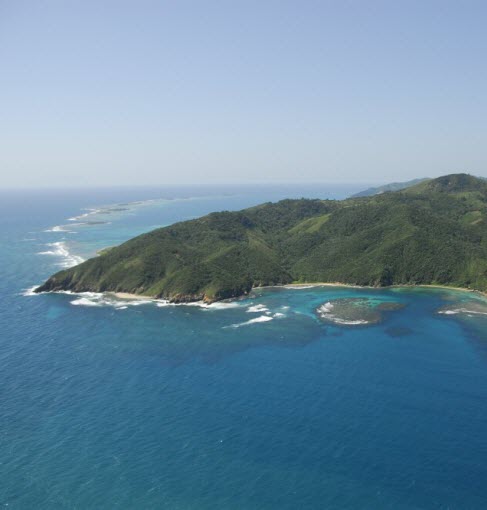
{"points": [[432, 233], [394, 186]]}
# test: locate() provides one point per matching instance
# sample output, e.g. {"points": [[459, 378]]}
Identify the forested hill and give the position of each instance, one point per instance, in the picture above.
{"points": [[394, 186], [432, 233]]}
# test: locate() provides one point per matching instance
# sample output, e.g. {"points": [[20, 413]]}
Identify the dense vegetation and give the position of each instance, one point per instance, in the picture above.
{"points": [[394, 186], [432, 233]]}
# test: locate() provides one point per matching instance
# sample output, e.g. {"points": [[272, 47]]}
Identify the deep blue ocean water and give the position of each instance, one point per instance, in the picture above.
{"points": [[254, 404]]}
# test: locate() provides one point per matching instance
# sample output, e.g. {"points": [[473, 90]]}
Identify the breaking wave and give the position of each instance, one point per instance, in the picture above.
{"points": [[262, 318], [99, 299], [30, 291], [326, 312], [60, 249], [257, 308], [467, 311]]}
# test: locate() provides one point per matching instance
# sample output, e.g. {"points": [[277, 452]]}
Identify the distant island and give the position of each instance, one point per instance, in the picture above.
{"points": [[430, 233], [393, 186]]}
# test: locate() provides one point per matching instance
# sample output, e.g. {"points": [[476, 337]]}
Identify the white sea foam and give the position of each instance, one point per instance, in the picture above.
{"points": [[90, 212], [65, 229], [30, 291], [257, 308], [56, 228], [100, 299], [163, 303], [59, 249], [461, 310], [325, 312], [135, 302], [62, 229], [221, 305], [348, 322], [326, 308], [85, 302], [262, 318], [108, 209]]}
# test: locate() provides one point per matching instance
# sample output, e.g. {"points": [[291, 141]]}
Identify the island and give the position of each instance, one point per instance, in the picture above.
{"points": [[393, 186], [431, 233]]}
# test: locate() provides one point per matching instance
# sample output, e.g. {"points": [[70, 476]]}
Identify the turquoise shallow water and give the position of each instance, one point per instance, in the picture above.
{"points": [[254, 404]]}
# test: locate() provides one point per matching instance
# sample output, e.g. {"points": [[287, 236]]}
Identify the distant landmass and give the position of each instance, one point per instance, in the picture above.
{"points": [[394, 186], [431, 232]]}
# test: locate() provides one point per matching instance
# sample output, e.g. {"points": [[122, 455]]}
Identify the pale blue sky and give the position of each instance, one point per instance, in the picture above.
{"points": [[100, 92]]}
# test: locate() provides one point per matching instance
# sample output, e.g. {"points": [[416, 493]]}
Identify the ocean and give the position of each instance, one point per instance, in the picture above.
{"points": [[292, 398]]}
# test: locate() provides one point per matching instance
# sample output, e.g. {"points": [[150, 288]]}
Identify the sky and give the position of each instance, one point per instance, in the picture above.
{"points": [[103, 93]]}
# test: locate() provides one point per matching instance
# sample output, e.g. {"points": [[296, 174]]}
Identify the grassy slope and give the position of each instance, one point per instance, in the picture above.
{"points": [[432, 233]]}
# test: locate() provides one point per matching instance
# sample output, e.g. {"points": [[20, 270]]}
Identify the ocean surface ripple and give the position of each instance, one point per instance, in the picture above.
{"points": [[280, 400]]}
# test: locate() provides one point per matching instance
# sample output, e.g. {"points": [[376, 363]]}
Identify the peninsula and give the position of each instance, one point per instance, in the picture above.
{"points": [[431, 233]]}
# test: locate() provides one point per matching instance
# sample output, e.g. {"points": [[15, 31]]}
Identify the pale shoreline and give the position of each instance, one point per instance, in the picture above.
{"points": [[402, 286], [127, 295]]}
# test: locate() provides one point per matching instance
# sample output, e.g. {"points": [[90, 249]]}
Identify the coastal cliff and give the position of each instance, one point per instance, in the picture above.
{"points": [[434, 232]]}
